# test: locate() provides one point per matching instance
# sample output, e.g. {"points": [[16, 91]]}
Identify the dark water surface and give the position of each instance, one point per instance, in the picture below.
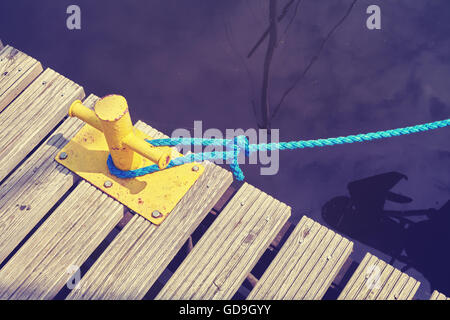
{"points": [[180, 61]]}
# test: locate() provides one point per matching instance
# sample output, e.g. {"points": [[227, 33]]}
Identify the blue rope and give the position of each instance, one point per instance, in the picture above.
{"points": [[240, 143]]}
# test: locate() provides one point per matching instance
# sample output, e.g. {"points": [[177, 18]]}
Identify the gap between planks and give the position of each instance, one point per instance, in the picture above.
{"points": [[221, 260], [306, 265]]}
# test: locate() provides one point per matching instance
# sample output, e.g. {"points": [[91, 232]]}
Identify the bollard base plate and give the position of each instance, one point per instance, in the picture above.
{"points": [[86, 155]]}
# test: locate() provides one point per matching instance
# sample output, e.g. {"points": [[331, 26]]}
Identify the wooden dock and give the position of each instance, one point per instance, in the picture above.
{"points": [[53, 223]]}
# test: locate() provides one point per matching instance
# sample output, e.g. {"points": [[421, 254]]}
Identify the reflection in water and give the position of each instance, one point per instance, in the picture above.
{"points": [[414, 237]]}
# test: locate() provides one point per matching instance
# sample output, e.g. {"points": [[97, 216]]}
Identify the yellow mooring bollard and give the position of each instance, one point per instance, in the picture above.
{"points": [[109, 130], [111, 117]]}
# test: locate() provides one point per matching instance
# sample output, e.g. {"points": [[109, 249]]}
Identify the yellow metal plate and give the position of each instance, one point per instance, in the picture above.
{"points": [[160, 191]]}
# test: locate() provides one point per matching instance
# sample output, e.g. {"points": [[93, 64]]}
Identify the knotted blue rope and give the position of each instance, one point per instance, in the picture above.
{"points": [[240, 144]]}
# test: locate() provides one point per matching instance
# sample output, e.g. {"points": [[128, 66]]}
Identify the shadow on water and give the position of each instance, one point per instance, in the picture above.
{"points": [[417, 238]]}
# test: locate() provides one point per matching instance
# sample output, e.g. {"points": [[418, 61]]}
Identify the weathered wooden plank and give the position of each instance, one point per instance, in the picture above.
{"points": [[17, 70], [380, 274], [387, 281], [35, 187], [39, 269], [436, 295], [36, 112], [374, 279], [304, 228], [355, 282], [409, 290], [141, 251], [221, 260], [324, 271], [306, 264]]}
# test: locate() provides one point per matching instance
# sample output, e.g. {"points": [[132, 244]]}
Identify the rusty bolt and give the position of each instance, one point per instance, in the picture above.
{"points": [[108, 184], [63, 156]]}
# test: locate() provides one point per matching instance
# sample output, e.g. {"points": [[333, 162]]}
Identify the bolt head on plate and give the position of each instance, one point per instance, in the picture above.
{"points": [[63, 155], [107, 184], [156, 214], [195, 168]]}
